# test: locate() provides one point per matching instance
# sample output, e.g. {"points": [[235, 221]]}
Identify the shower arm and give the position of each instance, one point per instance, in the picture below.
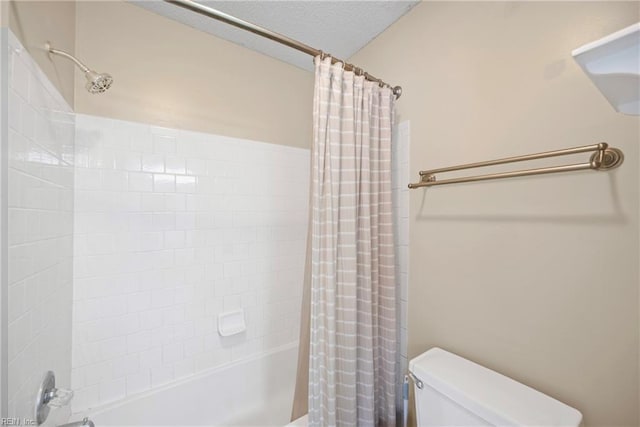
{"points": [[62, 53], [96, 82]]}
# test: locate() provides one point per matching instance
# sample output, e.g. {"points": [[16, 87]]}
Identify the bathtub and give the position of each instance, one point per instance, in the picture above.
{"points": [[253, 392]]}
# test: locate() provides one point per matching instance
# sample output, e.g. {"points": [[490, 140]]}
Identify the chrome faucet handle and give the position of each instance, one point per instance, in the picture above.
{"points": [[49, 396], [58, 397]]}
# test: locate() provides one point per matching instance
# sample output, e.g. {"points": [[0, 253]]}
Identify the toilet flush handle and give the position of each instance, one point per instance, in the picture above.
{"points": [[417, 381]]}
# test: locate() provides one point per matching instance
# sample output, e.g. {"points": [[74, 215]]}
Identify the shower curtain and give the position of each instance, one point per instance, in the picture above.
{"points": [[352, 360]]}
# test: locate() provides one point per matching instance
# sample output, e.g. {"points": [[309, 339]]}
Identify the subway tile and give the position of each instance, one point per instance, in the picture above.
{"points": [[151, 241], [112, 348], [19, 335], [174, 315], [85, 398], [162, 298], [141, 141], [20, 78], [14, 112], [128, 161], [114, 180], [139, 342], [151, 358], [153, 163], [161, 375], [17, 301], [175, 202], [232, 302], [164, 221], [88, 179], [140, 181], [151, 319], [164, 144], [125, 365], [196, 167], [78, 378], [128, 324], [193, 346], [174, 239], [186, 184], [184, 368], [101, 329], [163, 183], [184, 257], [185, 221], [138, 302], [28, 117], [112, 390], [102, 158], [99, 243], [153, 202], [172, 353], [175, 165], [138, 382], [164, 131]]}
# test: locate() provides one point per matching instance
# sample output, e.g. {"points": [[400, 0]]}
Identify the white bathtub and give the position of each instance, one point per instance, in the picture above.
{"points": [[253, 392]]}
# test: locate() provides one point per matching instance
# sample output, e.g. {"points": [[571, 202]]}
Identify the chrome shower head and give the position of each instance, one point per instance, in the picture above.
{"points": [[96, 82]]}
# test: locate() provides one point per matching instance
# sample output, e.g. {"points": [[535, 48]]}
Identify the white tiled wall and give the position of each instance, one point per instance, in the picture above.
{"points": [[172, 228], [400, 179], [40, 227]]}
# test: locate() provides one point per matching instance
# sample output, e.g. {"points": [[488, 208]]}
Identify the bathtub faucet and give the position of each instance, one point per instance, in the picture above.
{"points": [[86, 422]]}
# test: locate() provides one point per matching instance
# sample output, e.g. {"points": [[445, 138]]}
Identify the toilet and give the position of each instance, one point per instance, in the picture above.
{"points": [[453, 391]]}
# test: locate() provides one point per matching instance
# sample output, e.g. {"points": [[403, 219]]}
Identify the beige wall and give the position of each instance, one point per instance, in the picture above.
{"points": [[4, 13], [35, 23], [165, 73], [535, 277], [168, 74]]}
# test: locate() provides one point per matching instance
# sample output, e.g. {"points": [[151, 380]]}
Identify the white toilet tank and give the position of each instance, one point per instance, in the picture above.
{"points": [[453, 391]]}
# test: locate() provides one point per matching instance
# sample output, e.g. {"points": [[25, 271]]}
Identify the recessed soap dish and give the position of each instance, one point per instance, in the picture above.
{"points": [[231, 323]]}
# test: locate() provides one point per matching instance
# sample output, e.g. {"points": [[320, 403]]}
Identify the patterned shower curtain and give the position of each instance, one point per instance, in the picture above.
{"points": [[352, 361]]}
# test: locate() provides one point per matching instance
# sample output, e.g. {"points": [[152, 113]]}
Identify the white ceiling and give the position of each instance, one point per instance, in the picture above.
{"points": [[340, 28]]}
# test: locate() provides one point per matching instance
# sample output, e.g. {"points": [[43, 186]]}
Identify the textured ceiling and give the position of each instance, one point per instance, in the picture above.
{"points": [[340, 28]]}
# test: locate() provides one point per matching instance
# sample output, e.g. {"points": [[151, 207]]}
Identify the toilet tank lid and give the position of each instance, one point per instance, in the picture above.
{"points": [[490, 395]]}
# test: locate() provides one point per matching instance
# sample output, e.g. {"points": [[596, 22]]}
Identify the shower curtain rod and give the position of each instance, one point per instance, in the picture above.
{"points": [[271, 35], [603, 158]]}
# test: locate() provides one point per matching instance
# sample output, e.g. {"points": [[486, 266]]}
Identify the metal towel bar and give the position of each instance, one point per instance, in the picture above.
{"points": [[603, 158]]}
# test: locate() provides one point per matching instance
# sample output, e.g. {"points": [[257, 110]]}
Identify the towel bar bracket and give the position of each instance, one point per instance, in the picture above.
{"points": [[610, 158]]}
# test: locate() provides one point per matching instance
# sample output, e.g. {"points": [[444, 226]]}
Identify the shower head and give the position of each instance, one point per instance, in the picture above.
{"points": [[96, 82]]}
